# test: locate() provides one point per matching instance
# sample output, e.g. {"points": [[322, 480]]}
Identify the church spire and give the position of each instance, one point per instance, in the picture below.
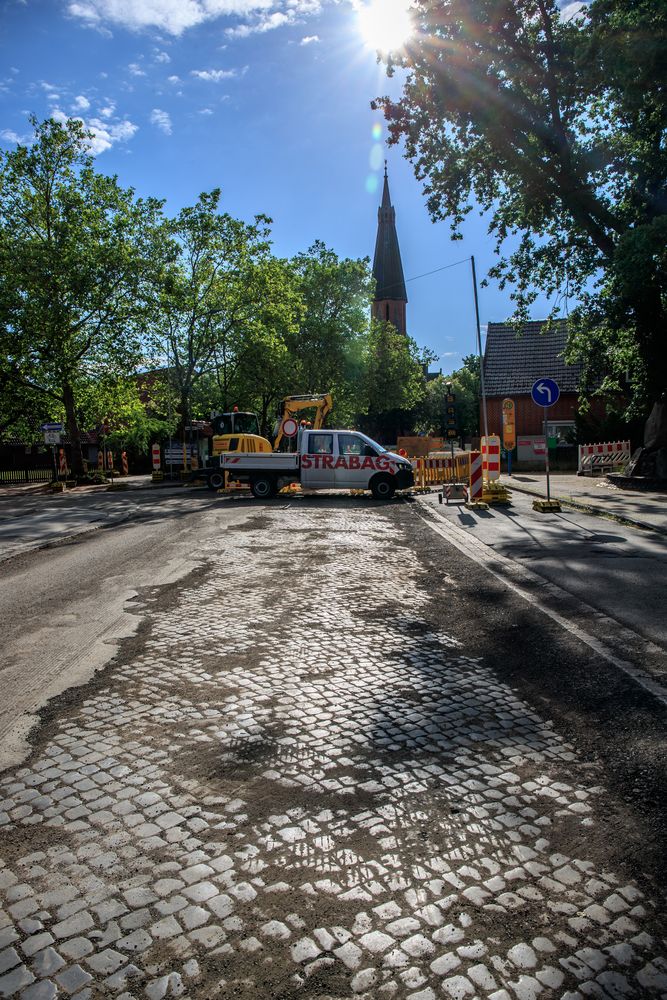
{"points": [[390, 295]]}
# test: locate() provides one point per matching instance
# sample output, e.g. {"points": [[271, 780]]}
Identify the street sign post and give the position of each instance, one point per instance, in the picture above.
{"points": [[52, 435], [545, 393]]}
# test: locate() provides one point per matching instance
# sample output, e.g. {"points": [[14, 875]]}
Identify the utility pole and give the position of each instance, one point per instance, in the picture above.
{"points": [[479, 350]]}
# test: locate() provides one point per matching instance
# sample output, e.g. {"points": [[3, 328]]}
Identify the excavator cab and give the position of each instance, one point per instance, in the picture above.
{"points": [[235, 422], [237, 430]]}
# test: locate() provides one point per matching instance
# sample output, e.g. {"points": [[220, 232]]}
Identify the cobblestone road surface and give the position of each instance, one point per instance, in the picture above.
{"points": [[288, 784]]}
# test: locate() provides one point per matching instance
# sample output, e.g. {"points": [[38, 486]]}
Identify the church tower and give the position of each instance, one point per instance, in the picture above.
{"points": [[390, 296]]}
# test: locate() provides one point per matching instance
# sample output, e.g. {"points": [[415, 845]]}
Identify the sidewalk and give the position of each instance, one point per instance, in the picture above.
{"points": [[595, 494], [143, 482]]}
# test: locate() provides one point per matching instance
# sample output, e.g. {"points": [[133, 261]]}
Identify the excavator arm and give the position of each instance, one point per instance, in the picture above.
{"points": [[291, 405]]}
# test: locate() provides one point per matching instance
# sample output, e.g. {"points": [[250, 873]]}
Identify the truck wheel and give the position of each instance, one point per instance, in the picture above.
{"points": [[216, 481], [382, 487], [263, 487]]}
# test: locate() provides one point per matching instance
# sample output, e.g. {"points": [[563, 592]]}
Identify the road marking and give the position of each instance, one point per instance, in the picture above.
{"points": [[498, 565]]}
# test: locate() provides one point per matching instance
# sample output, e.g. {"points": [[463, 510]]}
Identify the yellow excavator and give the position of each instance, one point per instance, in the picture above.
{"points": [[290, 407], [239, 431]]}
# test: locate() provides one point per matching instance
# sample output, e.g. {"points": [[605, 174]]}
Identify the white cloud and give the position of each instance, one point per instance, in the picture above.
{"points": [[108, 110], [571, 8], [136, 70], [214, 75], [104, 133], [173, 79], [267, 22], [162, 57], [81, 103], [172, 16], [309, 40], [161, 120], [9, 135], [205, 111]]}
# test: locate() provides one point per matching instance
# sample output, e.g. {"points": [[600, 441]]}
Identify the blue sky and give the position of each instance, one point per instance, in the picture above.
{"points": [[268, 100]]}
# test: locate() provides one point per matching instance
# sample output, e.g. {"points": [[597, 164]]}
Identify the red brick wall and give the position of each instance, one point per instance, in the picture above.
{"points": [[392, 311], [529, 417]]}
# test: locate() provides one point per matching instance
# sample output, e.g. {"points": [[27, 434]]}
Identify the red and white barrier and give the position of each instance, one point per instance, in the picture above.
{"points": [[476, 483], [491, 457], [603, 457]]}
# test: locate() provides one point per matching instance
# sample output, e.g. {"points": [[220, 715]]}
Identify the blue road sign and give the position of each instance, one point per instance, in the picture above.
{"points": [[545, 392], [59, 428]]}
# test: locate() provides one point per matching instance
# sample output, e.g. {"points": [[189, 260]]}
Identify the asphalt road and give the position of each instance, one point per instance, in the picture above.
{"points": [[616, 573], [31, 521], [331, 756], [64, 607]]}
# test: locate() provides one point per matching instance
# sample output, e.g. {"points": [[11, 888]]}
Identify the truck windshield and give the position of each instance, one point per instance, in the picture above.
{"points": [[378, 447]]}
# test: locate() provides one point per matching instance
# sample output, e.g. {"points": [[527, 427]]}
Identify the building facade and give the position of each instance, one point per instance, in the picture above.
{"points": [[513, 362]]}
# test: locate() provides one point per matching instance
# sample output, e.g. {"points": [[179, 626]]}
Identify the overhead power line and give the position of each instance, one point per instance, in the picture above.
{"points": [[426, 274]]}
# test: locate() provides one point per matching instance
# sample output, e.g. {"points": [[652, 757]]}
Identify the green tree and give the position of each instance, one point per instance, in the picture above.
{"points": [[135, 416], [75, 256], [464, 384], [328, 347], [221, 294], [556, 128], [393, 381]]}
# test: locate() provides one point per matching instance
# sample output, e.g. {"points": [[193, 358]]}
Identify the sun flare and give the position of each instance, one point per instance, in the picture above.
{"points": [[385, 24]]}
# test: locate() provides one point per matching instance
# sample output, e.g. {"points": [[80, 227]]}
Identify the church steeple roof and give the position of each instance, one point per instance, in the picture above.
{"points": [[387, 266]]}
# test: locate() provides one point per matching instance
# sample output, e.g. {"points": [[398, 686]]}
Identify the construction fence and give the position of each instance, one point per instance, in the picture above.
{"points": [[601, 458], [439, 469]]}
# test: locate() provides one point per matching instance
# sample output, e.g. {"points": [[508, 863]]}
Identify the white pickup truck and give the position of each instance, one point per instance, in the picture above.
{"points": [[325, 460]]}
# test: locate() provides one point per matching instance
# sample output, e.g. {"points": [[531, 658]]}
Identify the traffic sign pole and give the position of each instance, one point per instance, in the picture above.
{"points": [[545, 393], [546, 448]]}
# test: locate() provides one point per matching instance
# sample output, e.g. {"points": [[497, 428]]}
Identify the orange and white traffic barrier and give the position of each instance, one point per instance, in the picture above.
{"points": [[124, 463], [603, 457], [491, 457], [62, 462], [476, 481]]}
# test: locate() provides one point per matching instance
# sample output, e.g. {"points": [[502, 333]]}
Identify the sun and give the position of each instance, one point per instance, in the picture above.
{"points": [[385, 24]]}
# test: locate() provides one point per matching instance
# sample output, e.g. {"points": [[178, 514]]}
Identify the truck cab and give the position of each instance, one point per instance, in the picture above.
{"points": [[349, 460]]}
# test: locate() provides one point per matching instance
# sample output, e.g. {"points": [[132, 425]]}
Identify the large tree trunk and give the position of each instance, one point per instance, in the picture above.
{"points": [[73, 430], [650, 461]]}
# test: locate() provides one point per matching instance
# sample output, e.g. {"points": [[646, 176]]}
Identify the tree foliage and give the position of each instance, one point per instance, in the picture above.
{"points": [[112, 312], [329, 345], [222, 302], [465, 385], [393, 381], [75, 252], [556, 128]]}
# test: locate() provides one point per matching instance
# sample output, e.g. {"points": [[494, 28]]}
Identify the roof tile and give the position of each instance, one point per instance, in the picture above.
{"points": [[513, 361]]}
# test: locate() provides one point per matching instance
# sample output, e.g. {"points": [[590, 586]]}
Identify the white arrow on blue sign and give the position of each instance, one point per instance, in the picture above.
{"points": [[59, 428], [545, 392]]}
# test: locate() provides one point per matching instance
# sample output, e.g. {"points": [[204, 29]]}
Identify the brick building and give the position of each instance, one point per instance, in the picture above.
{"points": [[513, 362]]}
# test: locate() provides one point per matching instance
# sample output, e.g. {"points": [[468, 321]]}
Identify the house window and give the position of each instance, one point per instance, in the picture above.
{"points": [[561, 432]]}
